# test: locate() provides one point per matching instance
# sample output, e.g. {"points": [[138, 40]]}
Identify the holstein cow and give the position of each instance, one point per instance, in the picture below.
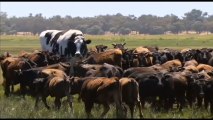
{"points": [[65, 43]]}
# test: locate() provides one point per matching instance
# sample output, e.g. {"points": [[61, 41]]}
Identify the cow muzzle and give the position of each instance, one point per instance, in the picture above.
{"points": [[78, 55]]}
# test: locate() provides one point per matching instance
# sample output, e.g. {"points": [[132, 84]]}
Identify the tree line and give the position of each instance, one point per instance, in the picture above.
{"points": [[195, 20]]}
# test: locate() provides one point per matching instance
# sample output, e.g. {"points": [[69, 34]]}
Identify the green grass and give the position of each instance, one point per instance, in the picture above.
{"points": [[16, 107]]}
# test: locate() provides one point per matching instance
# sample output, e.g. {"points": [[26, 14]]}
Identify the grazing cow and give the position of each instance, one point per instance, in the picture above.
{"points": [[113, 57], [65, 43], [103, 91], [130, 94]]}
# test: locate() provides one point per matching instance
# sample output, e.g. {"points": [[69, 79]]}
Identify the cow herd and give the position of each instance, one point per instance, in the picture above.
{"points": [[120, 76]]}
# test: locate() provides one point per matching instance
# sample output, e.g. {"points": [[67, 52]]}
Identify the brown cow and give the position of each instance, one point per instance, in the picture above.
{"points": [[5, 55], [55, 83], [141, 50], [130, 94], [144, 56], [101, 48], [103, 91], [191, 62], [64, 66], [39, 57], [205, 67], [191, 68], [169, 65], [9, 65], [113, 57]]}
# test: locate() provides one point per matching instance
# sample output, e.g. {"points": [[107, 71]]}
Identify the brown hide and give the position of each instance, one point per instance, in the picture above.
{"points": [[204, 67], [101, 90], [141, 50], [130, 94], [113, 57], [172, 64], [191, 62], [9, 65], [56, 85]]}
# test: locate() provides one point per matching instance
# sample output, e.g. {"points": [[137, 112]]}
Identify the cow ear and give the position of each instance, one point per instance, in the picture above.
{"points": [[113, 44], [88, 41], [105, 47], [124, 44]]}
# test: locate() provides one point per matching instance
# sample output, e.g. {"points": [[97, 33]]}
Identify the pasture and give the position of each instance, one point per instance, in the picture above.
{"points": [[16, 107]]}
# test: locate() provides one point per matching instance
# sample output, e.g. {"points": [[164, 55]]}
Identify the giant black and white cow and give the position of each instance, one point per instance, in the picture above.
{"points": [[67, 43]]}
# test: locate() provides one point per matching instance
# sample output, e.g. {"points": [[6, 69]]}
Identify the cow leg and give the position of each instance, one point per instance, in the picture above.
{"points": [[181, 102], [140, 109], [12, 88], [106, 109], [57, 103], [88, 108], [142, 103], [199, 102], [70, 101], [131, 108], [6, 88], [23, 90], [206, 102], [36, 102], [211, 108], [45, 102]]}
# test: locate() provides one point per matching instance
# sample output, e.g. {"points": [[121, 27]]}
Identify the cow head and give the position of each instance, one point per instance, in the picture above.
{"points": [[119, 46], [81, 46], [101, 48], [157, 78]]}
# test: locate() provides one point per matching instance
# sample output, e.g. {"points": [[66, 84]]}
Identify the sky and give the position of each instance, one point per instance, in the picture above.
{"points": [[91, 9]]}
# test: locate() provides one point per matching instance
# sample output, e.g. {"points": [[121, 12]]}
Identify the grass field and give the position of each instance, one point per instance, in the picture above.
{"points": [[16, 107]]}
